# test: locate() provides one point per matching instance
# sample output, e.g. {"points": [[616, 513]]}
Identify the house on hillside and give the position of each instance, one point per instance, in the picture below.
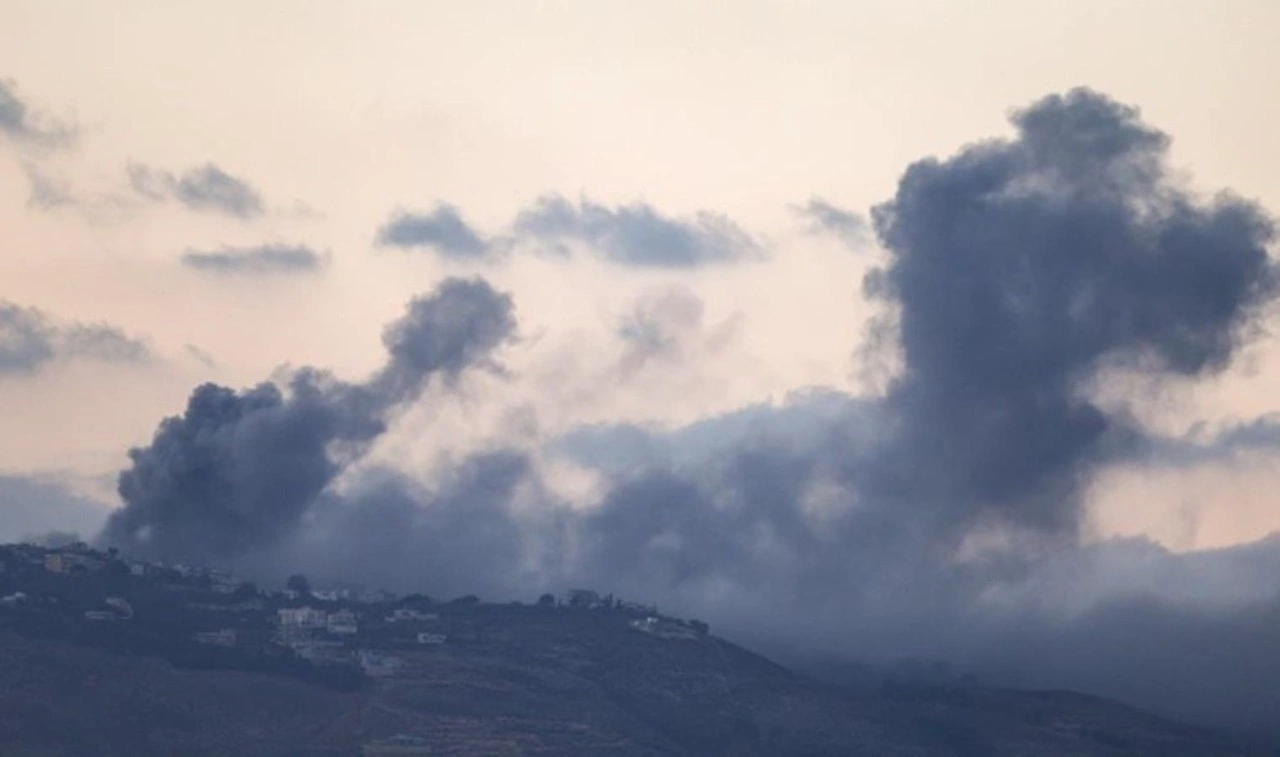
{"points": [[343, 623], [72, 562], [299, 623], [665, 628], [302, 617], [406, 615]]}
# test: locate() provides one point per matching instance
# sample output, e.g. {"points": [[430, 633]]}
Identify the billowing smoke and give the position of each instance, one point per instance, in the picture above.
{"points": [[942, 518], [1020, 272], [239, 470]]}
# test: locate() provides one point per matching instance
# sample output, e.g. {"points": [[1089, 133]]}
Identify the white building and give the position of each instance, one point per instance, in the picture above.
{"points": [[302, 617], [404, 614], [342, 622]]}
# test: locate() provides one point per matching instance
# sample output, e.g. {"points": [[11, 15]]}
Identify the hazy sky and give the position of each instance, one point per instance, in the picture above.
{"points": [[272, 141]]}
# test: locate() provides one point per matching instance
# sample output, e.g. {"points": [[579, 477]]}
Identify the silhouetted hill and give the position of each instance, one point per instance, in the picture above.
{"points": [[100, 656], [545, 682]]}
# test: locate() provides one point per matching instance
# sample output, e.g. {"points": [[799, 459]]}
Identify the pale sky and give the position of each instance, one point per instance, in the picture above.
{"points": [[339, 114]]}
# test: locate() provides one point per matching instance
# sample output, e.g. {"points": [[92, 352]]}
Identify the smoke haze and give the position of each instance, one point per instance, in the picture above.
{"points": [[941, 518]]}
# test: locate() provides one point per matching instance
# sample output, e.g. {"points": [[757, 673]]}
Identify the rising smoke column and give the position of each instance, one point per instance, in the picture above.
{"points": [[1020, 271], [239, 470]]}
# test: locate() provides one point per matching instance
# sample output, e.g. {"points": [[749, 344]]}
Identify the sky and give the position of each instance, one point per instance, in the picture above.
{"points": [[677, 198]]}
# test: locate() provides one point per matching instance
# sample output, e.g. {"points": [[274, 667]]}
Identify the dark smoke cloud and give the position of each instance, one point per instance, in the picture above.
{"points": [[1206, 444], [236, 471], [1020, 271], [637, 234], [26, 126], [414, 529], [203, 188], [239, 471], [35, 505], [456, 328], [443, 230], [846, 225], [942, 519], [262, 259], [29, 339]]}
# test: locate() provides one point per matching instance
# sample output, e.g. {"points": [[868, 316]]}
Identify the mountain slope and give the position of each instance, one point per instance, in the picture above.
{"points": [[525, 680]]}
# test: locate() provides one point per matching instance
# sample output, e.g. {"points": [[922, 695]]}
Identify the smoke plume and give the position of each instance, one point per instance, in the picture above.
{"points": [[942, 518], [239, 470]]}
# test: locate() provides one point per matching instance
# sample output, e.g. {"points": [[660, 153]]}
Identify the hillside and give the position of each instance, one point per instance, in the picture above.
{"points": [[545, 683], [98, 657]]}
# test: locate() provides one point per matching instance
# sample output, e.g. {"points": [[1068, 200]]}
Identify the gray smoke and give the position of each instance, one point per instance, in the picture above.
{"points": [[455, 536], [942, 519], [1020, 272], [36, 505], [239, 471], [846, 225]]}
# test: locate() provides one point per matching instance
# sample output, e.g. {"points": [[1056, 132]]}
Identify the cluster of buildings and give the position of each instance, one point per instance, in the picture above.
{"points": [[74, 559], [214, 609], [334, 636]]}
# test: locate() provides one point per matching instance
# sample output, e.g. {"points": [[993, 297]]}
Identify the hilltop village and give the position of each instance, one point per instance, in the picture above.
{"points": [[200, 618]]}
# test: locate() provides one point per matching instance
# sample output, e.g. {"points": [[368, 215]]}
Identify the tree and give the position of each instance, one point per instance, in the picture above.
{"points": [[416, 600], [299, 583], [547, 600]]}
